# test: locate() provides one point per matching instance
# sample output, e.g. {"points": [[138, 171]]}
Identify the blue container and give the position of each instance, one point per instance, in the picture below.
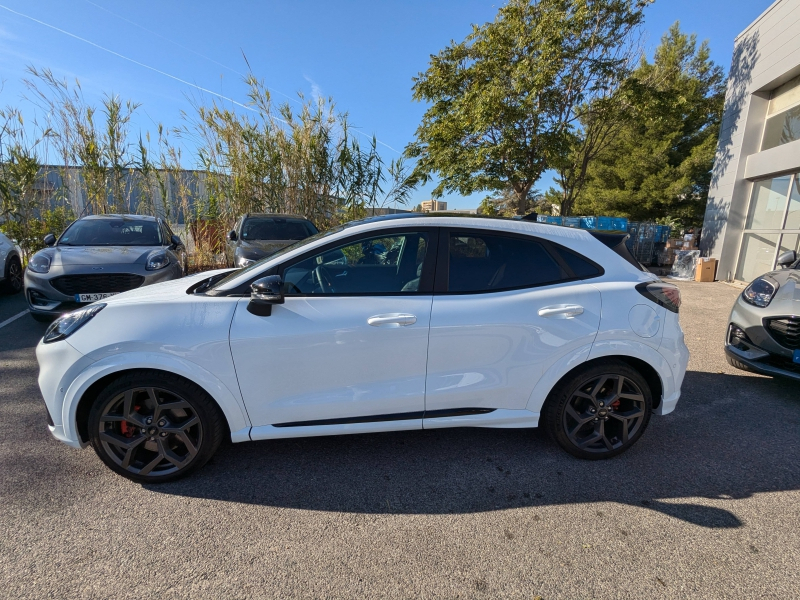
{"points": [[553, 220], [541, 218], [588, 222], [619, 224], [572, 222], [605, 224]]}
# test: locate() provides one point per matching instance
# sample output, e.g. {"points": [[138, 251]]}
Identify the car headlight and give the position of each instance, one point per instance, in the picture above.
{"points": [[66, 325], [241, 261], [760, 292], [39, 263], [156, 261]]}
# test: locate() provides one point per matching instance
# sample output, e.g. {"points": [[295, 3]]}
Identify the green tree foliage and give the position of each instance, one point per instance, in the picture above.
{"points": [[659, 162], [503, 102]]}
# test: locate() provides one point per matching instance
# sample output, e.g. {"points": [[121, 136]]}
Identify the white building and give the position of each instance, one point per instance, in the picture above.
{"points": [[753, 211]]}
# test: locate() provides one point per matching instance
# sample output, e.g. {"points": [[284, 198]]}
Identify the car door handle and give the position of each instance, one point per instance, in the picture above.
{"points": [[561, 311], [392, 320]]}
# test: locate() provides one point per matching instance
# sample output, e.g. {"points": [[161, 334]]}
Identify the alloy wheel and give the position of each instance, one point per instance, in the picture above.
{"points": [[15, 277], [604, 413], [150, 431]]}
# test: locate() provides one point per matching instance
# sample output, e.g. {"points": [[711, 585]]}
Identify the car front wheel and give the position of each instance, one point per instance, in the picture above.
{"points": [[13, 276], [599, 411], [153, 427]]}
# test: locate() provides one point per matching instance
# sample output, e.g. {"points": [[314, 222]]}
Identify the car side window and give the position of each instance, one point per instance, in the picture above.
{"points": [[487, 262], [580, 266], [388, 264]]}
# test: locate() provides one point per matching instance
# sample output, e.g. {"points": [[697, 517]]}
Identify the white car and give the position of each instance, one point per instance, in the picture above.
{"points": [[10, 266], [386, 324]]}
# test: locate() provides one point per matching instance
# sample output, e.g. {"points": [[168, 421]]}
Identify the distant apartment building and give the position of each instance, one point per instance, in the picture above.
{"points": [[753, 211], [433, 206]]}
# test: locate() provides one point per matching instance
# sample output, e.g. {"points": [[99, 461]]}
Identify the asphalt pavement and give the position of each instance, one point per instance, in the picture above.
{"points": [[706, 505]]}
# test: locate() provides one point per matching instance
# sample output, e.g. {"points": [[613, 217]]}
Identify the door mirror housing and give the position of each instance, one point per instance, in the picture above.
{"points": [[263, 294], [176, 241], [787, 259], [49, 240], [232, 235]]}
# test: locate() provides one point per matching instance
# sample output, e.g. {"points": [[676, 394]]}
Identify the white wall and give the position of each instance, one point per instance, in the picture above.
{"points": [[766, 55]]}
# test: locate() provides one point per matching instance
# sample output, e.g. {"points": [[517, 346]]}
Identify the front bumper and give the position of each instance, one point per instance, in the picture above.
{"points": [[44, 299], [59, 365], [762, 362]]}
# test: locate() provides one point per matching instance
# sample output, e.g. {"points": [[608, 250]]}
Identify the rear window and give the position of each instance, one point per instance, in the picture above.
{"points": [[276, 229], [490, 263]]}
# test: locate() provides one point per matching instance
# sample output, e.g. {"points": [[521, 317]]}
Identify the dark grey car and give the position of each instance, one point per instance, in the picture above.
{"points": [[764, 327], [99, 256], [257, 235]]}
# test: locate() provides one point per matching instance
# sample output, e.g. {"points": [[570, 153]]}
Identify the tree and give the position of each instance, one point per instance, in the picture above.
{"points": [[659, 162], [504, 101]]}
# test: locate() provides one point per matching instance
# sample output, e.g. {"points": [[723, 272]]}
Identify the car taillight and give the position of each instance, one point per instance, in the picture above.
{"points": [[663, 294]]}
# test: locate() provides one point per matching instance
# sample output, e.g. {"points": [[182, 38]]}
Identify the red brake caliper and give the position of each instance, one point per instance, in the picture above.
{"points": [[126, 429]]}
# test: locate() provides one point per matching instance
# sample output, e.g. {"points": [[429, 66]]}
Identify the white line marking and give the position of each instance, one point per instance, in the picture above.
{"points": [[14, 318]]}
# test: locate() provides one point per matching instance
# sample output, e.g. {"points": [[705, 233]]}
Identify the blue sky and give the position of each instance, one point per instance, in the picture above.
{"points": [[363, 53]]}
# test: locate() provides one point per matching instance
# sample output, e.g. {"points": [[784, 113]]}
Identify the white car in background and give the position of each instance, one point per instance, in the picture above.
{"points": [[387, 324], [11, 277]]}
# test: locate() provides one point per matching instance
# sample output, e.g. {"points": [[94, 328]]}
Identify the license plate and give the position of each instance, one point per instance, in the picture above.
{"points": [[797, 356], [92, 297]]}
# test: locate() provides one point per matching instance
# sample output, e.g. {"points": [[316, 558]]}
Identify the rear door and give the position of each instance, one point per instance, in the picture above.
{"points": [[507, 306]]}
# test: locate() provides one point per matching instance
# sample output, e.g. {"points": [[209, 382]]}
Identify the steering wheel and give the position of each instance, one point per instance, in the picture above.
{"points": [[325, 280]]}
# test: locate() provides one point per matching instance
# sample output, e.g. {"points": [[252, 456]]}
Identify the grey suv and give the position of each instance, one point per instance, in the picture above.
{"points": [[257, 235], [764, 326], [10, 266], [99, 256]]}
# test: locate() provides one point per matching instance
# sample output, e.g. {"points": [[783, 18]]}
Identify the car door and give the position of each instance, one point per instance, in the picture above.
{"points": [[507, 306], [347, 349]]}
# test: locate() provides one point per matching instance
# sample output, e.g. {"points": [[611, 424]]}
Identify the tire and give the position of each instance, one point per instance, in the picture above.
{"points": [[589, 416], [153, 427], [13, 282]]}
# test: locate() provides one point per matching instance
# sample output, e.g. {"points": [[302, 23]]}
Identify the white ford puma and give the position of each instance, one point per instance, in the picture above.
{"points": [[386, 324]]}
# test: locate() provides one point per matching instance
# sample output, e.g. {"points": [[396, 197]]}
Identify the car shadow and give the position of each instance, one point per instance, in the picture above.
{"points": [[731, 436]]}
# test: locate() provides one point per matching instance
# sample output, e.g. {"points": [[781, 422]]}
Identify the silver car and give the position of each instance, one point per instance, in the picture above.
{"points": [[257, 235], [10, 266], [99, 256], [764, 326]]}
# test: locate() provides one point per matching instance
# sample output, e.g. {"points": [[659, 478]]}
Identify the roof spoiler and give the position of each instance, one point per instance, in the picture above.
{"points": [[616, 241]]}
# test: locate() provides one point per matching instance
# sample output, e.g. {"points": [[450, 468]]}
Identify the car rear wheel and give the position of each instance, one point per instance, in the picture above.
{"points": [[599, 411], [153, 427], [13, 277]]}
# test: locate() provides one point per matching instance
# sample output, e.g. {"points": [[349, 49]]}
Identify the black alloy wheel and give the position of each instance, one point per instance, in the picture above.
{"points": [[599, 412], [152, 427], [13, 277]]}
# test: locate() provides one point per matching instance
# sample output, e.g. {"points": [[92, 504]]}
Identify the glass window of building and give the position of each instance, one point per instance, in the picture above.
{"points": [[783, 116], [772, 226], [768, 203]]}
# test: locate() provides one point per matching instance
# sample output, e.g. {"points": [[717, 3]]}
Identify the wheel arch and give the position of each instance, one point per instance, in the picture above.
{"points": [[85, 388], [655, 377]]}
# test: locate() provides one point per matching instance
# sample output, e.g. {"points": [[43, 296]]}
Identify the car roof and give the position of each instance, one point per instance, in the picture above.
{"points": [[124, 217], [275, 216]]}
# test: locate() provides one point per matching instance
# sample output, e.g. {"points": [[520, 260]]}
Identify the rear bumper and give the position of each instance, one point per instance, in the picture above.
{"points": [[739, 359]]}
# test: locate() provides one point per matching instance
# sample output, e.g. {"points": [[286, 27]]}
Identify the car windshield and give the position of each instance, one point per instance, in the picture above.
{"points": [[111, 232], [276, 228], [235, 274]]}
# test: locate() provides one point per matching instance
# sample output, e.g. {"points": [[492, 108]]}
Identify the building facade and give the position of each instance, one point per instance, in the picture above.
{"points": [[753, 211], [433, 206]]}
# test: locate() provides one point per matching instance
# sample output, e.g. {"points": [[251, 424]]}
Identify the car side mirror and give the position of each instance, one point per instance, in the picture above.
{"points": [[263, 294], [176, 241], [49, 240], [232, 236], [787, 258]]}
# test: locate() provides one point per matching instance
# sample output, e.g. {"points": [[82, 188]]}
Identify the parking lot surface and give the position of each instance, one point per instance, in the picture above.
{"points": [[706, 505]]}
